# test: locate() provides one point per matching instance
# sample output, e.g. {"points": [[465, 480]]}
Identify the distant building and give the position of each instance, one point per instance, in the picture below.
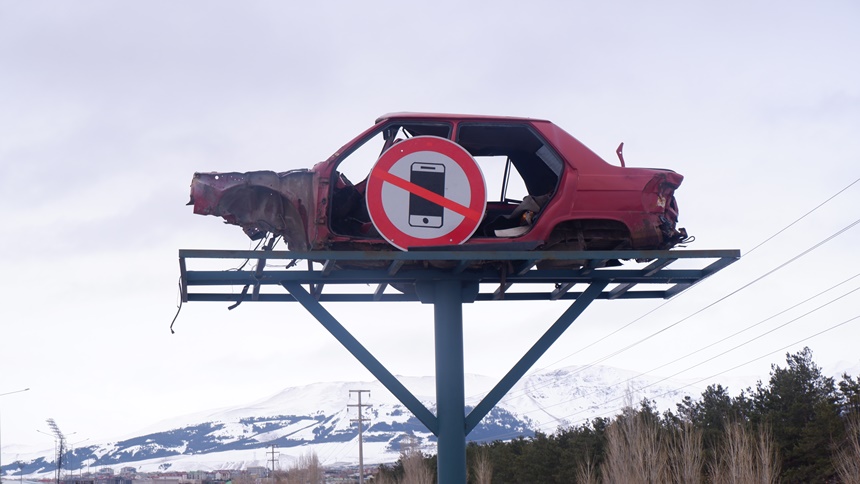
{"points": [[258, 471], [79, 481], [223, 475], [158, 480]]}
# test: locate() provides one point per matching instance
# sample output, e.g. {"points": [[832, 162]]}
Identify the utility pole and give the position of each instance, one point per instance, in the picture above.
{"points": [[61, 447], [1, 443], [272, 460], [360, 421]]}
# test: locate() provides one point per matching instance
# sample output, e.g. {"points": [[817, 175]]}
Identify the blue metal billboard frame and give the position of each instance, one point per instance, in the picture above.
{"points": [[447, 279]]}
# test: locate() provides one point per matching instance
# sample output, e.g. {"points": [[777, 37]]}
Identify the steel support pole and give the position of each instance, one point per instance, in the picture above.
{"points": [[533, 355], [362, 355], [450, 392]]}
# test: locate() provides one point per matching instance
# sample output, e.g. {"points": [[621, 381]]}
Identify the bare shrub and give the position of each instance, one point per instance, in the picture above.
{"points": [[306, 470], [768, 457], [586, 471], [847, 458], [735, 461], [244, 478], [381, 478], [685, 455], [746, 458], [635, 451], [482, 467], [415, 470]]}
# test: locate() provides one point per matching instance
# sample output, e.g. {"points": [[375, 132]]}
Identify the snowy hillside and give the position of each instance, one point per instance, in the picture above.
{"points": [[316, 418]]}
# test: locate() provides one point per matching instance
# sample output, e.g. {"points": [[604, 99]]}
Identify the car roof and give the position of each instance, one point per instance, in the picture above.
{"points": [[457, 117]]}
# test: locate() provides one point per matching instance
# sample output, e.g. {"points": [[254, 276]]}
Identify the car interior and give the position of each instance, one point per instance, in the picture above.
{"points": [[522, 174]]}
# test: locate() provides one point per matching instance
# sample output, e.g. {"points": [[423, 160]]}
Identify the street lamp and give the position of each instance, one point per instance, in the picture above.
{"points": [[61, 449], [1, 441], [55, 444], [73, 444]]}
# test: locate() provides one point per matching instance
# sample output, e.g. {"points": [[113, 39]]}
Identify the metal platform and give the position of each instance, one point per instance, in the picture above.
{"points": [[446, 279], [516, 274]]}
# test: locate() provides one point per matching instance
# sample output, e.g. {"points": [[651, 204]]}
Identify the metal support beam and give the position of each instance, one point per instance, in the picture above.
{"points": [[380, 290], [560, 290], [450, 392], [708, 271], [534, 354], [363, 355], [448, 286], [650, 270]]}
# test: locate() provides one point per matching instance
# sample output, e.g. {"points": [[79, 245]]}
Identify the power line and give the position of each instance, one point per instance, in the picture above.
{"points": [[766, 355], [670, 300], [801, 217], [729, 350], [736, 291], [751, 327], [507, 398], [544, 408], [714, 303], [757, 324], [615, 332], [831, 328], [734, 367], [745, 255]]}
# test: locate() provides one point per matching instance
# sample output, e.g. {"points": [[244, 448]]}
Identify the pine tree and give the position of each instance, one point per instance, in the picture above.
{"points": [[800, 405], [849, 395]]}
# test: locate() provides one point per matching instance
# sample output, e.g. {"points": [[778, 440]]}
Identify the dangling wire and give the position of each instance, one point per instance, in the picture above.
{"points": [[178, 307], [268, 247]]}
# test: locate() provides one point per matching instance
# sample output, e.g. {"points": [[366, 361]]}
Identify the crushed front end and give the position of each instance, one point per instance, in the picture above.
{"points": [[260, 202]]}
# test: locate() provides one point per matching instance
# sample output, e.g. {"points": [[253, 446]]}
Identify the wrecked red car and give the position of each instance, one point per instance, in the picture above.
{"points": [[546, 191]]}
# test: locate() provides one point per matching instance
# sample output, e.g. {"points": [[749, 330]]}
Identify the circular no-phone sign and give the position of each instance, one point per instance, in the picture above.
{"points": [[426, 191]]}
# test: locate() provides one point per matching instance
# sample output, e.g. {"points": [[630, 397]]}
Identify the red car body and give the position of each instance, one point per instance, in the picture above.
{"points": [[578, 200]]}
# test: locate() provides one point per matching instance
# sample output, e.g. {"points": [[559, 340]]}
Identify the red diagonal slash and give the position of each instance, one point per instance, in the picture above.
{"points": [[428, 195]]}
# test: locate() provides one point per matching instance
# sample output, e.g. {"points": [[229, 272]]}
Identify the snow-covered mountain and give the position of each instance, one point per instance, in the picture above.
{"points": [[316, 418]]}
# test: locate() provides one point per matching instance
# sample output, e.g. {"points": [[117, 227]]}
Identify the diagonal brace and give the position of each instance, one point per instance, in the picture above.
{"points": [[530, 358], [363, 355]]}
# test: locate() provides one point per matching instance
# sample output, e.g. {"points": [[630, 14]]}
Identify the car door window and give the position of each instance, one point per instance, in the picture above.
{"points": [[521, 171], [348, 208], [356, 164]]}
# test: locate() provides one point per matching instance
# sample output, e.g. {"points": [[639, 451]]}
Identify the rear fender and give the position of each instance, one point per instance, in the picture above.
{"points": [[658, 194]]}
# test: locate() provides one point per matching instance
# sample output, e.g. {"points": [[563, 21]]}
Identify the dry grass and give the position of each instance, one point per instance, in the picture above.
{"points": [[847, 459]]}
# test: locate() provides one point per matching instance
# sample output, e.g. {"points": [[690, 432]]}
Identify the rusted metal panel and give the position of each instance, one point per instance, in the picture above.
{"points": [[260, 202]]}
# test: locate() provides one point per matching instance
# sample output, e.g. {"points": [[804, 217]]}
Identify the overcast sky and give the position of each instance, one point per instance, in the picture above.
{"points": [[107, 108]]}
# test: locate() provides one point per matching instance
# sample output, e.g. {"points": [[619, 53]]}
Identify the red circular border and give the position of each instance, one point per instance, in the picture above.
{"points": [[446, 147]]}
